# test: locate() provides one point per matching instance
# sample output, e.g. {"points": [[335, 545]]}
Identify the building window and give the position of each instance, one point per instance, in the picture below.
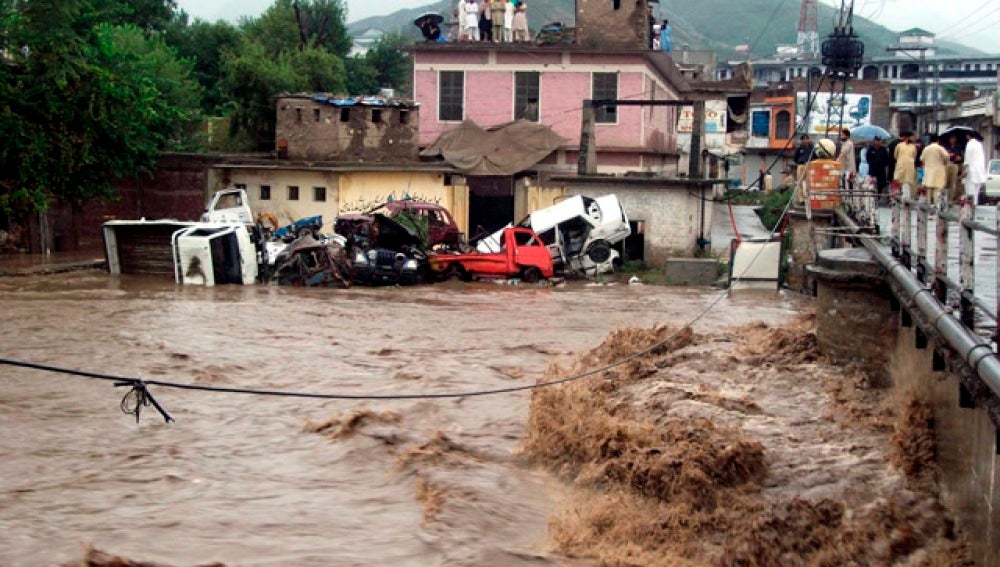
{"points": [[265, 192], [293, 192], [526, 95], [298, 115], [967, 67], [319, 194], [895, 71], [404, 116], [242, 186], [376, 115], [783, 125], [616, 4], [892, 95], [760, 124], [605, 87], [885, 72], [976, 67], [451, 95], [345, 114]]}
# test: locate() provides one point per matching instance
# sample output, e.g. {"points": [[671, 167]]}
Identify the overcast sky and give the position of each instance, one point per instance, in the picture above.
{"points": [[973, 22]]}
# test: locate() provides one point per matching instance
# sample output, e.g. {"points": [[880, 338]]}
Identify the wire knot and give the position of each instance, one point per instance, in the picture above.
{"points": [[139, 396]]}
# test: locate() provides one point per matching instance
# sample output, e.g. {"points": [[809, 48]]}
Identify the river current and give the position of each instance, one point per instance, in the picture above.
{"points": [[249, 480]]}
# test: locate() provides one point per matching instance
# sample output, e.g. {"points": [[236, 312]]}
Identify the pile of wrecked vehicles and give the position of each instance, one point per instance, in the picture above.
{"points": [[401, 242]]}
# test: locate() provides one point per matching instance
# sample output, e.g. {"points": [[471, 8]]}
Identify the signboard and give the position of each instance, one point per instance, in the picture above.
{"points": [[825, 115], [715, 118]]}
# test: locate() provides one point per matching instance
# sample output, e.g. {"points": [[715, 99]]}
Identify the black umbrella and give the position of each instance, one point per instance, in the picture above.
{"points": [[959, 131], [434, 18]]}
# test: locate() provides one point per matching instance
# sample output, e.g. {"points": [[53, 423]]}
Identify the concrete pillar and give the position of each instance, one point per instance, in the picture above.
{"points": [[587, 160], [696, 169], [854, 317], [806, 242]]}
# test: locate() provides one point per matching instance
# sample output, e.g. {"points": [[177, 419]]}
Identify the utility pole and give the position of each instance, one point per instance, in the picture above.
{"points": [[922, 70]]}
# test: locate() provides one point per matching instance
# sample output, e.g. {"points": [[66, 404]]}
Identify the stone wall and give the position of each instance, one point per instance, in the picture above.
{"points": [[612, 24], [367, 134]]}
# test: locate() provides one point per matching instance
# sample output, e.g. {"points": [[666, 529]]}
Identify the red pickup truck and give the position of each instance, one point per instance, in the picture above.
{"points": [[522, 255]]}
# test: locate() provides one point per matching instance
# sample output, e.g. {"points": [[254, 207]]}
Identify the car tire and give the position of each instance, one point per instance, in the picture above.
{"points": [[531, 274], [455, 273], [599, 251]]}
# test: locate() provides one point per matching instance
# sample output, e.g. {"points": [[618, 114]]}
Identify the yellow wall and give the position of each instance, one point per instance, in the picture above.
{"points": [[537, 198], [346, 192], [279, 204]]}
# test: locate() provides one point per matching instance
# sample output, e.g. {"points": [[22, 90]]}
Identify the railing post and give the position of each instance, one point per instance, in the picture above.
{"points": [[906, 228], [922, 262], [897, 205], [996, 329], [941, 250], [966, 261]]}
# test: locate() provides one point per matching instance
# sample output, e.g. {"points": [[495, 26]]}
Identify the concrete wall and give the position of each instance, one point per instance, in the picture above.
{"points": [[670, 209], [319, 131], [966, 447]]}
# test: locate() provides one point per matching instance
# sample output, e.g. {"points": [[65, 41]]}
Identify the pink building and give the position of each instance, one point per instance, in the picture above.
{"points": [[492, 84]]}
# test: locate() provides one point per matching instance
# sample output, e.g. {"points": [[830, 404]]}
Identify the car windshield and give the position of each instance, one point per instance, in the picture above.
{"points": [[995, 167]]}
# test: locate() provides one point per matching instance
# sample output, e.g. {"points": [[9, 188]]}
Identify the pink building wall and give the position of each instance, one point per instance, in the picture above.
{"points": [[489, 96]]}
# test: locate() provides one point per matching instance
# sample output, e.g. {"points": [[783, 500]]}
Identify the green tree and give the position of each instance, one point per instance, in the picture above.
{"points": [[294, 24], [82, 105], [205, 43], [393, 66], [361, 78]]}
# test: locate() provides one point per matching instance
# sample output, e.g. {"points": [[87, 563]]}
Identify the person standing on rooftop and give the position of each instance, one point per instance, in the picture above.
{"points": [[497, 18], [521, 23], [472, 20]]}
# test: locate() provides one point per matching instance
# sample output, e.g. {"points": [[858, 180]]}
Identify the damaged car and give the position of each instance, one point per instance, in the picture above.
{"points": [[313, 263], [383, 251]]}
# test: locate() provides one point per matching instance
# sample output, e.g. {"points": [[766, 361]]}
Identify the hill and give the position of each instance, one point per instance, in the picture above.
{"points": [[761, 23]]}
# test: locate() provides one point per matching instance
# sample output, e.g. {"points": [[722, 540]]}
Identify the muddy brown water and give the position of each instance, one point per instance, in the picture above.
{"points": [[240, 479]]}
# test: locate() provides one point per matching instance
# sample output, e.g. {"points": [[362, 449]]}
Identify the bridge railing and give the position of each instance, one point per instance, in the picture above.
{"points": [[912, 219]]}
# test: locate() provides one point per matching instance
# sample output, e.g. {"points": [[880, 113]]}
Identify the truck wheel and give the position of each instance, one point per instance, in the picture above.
{"points": [[531, 274], [455, 273], [599, 251]]}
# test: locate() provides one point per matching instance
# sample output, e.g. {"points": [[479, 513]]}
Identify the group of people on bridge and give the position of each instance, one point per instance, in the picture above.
{"points": [[909, 161]]}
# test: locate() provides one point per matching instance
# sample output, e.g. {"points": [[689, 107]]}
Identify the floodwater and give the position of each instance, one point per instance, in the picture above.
{"points": [[247, 480]]}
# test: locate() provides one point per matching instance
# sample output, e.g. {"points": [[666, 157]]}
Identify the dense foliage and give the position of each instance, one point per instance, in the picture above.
{"points": [[92, 90]]}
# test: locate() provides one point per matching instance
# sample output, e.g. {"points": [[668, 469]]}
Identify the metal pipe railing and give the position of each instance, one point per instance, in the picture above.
{"points": [[976, 352]]}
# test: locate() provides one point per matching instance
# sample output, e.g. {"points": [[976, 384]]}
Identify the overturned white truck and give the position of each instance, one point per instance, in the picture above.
{"points": [[579, 232]]}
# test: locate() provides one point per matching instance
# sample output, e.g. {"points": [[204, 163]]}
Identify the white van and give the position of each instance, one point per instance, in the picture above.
{"points": [[579, 233]]}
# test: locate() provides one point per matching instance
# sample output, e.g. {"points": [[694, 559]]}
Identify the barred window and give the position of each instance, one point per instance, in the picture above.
{"points": [[451, 94], [526, 91], [605, 86]]}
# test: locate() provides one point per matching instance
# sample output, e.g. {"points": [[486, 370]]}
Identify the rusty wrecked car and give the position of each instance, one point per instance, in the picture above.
{"points": [[381, 250], [313, 263], [430, 221]]}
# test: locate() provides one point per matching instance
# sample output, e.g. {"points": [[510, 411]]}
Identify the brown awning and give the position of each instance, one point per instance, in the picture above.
{"points": [[502, 150]]}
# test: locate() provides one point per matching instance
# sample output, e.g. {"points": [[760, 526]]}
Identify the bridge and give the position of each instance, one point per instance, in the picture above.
{"points": [[910, 292]]}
